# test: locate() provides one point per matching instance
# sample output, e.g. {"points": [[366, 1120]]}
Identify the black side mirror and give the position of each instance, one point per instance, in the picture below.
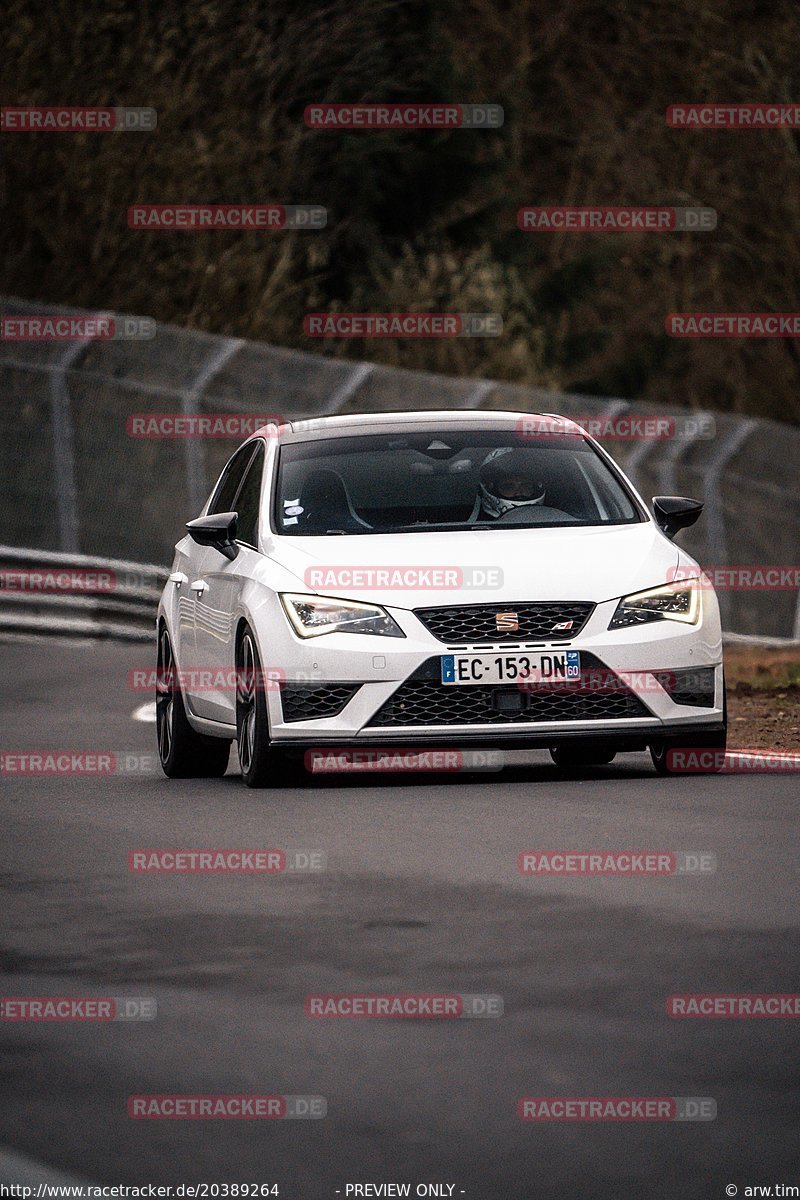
{"points": [[675, 512], [218, 530]]}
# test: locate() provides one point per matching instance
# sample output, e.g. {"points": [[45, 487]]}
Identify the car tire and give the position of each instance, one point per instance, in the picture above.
{"points": [[718, 742], [262, 765], [182, 752], [575, 758]]}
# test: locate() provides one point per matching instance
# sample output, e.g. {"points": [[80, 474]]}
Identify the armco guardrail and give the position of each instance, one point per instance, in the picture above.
{"points": [[74, 595], [72, 480]]}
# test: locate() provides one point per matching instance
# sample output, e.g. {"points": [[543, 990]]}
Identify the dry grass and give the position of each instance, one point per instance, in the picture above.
{"points": [[762, 668]]}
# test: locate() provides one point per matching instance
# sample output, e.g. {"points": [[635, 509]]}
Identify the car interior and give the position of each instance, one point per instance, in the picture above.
{"points": [[400, 486]]}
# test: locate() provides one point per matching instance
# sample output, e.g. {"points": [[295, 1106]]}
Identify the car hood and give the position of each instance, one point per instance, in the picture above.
{"points": [[596, 563]]}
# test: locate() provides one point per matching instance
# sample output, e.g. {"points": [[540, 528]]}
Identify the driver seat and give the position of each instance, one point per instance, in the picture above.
{"points": [[325, 503]]}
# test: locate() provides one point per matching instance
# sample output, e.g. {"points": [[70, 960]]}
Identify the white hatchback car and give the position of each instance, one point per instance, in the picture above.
{"points": [[433, 579]]}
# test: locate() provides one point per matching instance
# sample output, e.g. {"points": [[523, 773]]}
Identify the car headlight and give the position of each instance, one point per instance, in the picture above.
{"points": [[672, 602], [311, 616]]}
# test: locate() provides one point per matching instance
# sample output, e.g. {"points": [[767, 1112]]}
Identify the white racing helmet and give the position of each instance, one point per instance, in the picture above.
{"points": [[506, 481]]}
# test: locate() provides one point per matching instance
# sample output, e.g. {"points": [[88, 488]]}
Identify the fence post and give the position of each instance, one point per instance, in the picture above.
{"points": [[64, 449]]}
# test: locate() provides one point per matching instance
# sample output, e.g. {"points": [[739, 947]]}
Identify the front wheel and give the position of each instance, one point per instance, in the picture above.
{"points": [[262, 765], [183, 753]]}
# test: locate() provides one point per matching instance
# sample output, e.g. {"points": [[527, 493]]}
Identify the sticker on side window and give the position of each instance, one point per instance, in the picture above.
{"points": [[291, 511]]}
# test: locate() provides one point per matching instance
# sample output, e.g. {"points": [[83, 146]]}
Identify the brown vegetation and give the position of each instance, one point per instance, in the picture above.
{"points": [[422, 221]]}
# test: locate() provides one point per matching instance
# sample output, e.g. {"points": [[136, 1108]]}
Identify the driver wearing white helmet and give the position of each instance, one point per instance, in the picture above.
{"points": [[506, 482]]}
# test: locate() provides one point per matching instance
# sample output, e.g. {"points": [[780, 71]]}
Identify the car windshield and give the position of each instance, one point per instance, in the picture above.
{"points": [[448, 479]]}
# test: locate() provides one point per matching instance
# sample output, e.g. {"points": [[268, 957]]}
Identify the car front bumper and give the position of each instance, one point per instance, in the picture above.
{"points": [[382, 665]]}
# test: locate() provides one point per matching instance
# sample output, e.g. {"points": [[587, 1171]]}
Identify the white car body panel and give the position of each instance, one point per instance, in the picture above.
{"points": [[545, 564]]}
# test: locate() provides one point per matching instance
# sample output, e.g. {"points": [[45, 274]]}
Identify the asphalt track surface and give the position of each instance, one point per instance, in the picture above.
{"points": [[421, 893]]}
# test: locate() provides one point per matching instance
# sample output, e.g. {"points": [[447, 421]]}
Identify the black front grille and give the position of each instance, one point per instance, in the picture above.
{"points": [[599, 695], [690, 685], [304, 701], [535, 621]]}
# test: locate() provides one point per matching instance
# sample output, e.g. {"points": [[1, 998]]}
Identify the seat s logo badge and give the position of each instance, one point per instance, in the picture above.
{"points": [[506, 622], [562, 627]]}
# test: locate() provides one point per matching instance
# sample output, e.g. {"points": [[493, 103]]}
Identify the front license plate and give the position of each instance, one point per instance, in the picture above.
{"points": [[474, 669]]}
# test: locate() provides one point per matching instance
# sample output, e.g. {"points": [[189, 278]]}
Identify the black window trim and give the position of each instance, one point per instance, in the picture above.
{"points": [[222, 476], [258, 443]]}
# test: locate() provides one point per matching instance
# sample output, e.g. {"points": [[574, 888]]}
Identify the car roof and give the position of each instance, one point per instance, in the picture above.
{"points": [[355, 424]]}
